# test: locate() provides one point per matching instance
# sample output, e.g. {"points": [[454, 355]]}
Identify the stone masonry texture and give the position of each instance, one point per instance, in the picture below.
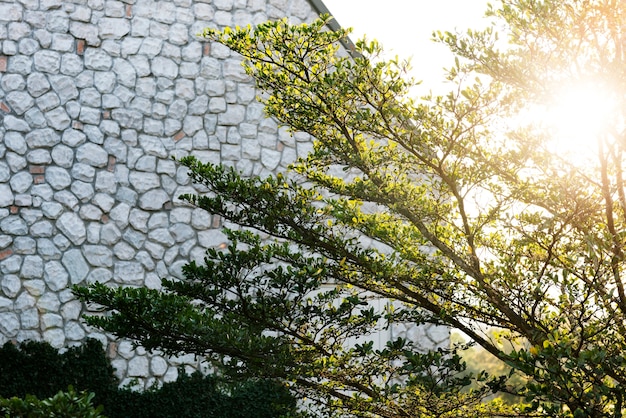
{"points": [[96, 97]]}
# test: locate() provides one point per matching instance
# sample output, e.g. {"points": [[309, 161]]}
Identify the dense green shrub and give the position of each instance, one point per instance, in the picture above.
{"points": [[38, 370], [62, 405]]}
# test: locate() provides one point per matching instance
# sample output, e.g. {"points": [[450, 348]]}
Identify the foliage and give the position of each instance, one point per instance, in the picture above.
{"points": [[448, 206], [38, 369], [35, 369], [62, 405]]}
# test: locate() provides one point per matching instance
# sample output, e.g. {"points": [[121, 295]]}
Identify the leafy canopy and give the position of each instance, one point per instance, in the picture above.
{"points": [[453, 208]]}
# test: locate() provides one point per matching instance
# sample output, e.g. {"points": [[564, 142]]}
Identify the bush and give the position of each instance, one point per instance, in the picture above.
{"points": [[36, 370], [62, 405]]}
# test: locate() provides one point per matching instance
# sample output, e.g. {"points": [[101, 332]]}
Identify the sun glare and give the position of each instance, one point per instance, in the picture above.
{"points": [[576, 117]]}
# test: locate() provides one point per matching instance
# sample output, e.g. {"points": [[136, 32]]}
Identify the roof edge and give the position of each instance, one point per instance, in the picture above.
{"points": [[333, 24]]}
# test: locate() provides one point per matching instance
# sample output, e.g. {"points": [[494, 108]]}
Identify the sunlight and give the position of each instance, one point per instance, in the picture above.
{"points": [[575, 118]]}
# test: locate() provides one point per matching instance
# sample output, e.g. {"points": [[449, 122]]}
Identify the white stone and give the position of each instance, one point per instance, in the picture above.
{"points": [[72, 227], [129, 272], [185, 89], [128, 118], [112, 28], [71, 65], [217, 105], [6, 304], [73, 138], [51, 210], [11, 285], [120, 214], [48, 101], [41, 229], [138, 367], [47, 61], [49, 303], [14, 225], [61, 242], [142, 181], [124, 251], [39, 157], [105, 81], [55, 276], [62, 42], [51, 320], [29, 319], [158, 366], [62, 155], [9, 324], [211, 238], [126, 74], [58, 178], [105, 182], [11, 82], [138, 219], [71, 310], [98, 255], [75, 265], [162, 236], [24, 245], [24, 301], [83, 172], [55, 337], [119, 368], [16, 162], [58, 119], [45, 138], [21, 182], [47, 249], [11, 123], [65, 87], [74, 332], [92, 154], [96, 59], [110, 234], [19, 101], [32, 267], [154, 200], [90, 213], [6, 195], [99, 275], [103, 201], [164, 67]]}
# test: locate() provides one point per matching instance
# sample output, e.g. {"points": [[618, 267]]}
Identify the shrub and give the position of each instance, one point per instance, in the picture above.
{"points": [[35, 370], [62, 405]]}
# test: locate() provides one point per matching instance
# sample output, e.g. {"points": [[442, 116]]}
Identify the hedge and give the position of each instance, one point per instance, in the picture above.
{"points": [[38, 370]]}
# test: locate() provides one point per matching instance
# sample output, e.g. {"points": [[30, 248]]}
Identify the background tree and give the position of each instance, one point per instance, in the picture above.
{"points": [[463, 210]]}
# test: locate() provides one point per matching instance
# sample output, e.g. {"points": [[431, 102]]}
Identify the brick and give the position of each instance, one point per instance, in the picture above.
{"points": [[37, 169], [180, 135], [14, 210], [4, 107], [206, 50], [129, 10], [39, 179], [3, 63], [80, 46], [6, 253], [106, 114], [77, 125], [111, 164]]}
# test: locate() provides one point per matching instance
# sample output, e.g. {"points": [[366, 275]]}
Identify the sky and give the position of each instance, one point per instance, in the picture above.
{"points": [[405, 27]]}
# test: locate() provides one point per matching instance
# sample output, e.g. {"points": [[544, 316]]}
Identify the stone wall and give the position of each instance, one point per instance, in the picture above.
{"points": [[96, 96]]}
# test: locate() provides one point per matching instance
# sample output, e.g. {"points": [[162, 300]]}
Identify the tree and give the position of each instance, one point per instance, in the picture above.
{"points": [[476, 223]]}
